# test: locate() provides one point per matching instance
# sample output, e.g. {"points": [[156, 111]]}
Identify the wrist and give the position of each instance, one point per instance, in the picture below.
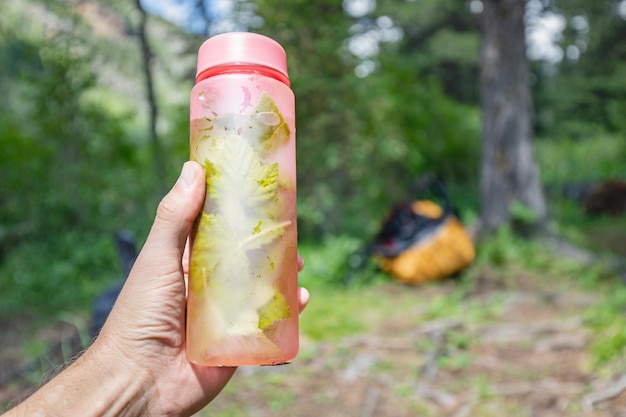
{"points": [[97, 384], [122, 388]]}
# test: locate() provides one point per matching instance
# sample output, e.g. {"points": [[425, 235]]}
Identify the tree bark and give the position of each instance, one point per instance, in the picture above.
{"points": [[509, 174], [151, 98]]}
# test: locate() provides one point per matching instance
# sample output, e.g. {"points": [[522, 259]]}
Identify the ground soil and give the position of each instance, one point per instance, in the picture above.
{"points": [[529, 356]]}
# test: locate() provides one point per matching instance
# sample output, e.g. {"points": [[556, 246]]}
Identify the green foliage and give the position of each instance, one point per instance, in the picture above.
{"points": [[363, 142], [605, 319], [565, 160], [522, 216], [507, 250], [71, 173], [608, 325], [586, 95], [62, 273], [329, 262], [76, 165], [568, 164]]}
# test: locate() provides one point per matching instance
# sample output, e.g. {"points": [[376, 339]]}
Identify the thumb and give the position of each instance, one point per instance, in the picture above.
{"points": [[175, 215]]}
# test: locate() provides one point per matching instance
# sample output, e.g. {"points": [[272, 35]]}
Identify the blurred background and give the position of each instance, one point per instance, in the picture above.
{"points": [[517, 108]]}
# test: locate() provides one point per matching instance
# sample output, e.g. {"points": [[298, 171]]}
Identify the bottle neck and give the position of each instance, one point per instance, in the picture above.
{"points": [[243, 69]]}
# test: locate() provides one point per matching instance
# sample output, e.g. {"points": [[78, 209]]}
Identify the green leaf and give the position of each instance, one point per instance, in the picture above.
{"points": [[263, 235], [215, 244], [244, 175], [242, 215], [277, 309], [210, 172], [264, 129], [276, 129]]}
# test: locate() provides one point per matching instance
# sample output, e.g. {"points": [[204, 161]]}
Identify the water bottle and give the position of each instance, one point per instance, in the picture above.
{"points": [[242, 294]]}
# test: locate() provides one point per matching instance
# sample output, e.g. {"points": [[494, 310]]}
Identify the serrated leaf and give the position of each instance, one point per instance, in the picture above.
{"points": [[215, 245], [277, 309], [239, 217], [277, 130], [265, 129], [263, 234], [243, 174]]}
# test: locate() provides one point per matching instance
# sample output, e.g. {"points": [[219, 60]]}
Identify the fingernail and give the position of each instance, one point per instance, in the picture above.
{"points": [[187, 175]]}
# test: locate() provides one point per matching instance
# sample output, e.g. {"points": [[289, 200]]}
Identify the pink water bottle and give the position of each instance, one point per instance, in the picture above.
{"points": [[242, 303]]}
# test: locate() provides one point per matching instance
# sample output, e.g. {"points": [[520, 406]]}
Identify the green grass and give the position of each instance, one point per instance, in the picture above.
{"points": [[608, 324]]}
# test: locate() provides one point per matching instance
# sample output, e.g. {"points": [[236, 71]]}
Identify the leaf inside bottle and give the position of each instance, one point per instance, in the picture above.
{"points": [[241, 216]]}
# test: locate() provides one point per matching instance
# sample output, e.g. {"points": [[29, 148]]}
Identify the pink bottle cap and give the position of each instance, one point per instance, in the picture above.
{"points": [[241, 48]]}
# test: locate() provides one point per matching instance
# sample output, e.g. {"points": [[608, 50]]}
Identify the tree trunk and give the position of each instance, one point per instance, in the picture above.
{"points": [[152, 101], [510, 183]]}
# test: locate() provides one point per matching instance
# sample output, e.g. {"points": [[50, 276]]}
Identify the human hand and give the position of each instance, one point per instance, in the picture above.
{"points": [[146, 328], [137, 366]]}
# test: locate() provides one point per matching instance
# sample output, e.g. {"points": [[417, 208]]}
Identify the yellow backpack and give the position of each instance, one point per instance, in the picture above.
{"points": [[423, 242]]}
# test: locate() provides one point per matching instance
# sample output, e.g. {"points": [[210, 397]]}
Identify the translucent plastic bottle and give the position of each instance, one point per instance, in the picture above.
{"points": [[242, 302]]}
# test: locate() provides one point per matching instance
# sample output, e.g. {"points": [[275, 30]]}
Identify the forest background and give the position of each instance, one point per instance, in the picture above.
{"points": [[94, 127]]}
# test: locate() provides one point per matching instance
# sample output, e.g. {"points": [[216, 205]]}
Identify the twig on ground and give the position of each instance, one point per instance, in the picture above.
{"points": [[370, 403], [439, 397], [437, 330], [429, 367], [609, 393]]}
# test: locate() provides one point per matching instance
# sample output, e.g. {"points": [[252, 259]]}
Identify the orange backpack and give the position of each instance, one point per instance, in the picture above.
{"points": [[423, 242]]}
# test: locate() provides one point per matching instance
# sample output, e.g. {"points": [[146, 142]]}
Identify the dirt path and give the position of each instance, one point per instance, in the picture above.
{"points": [[518, 348], [528, 356]]}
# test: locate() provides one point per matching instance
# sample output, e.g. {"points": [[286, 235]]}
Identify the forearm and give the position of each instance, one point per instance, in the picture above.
{"points": [[95, 385]]}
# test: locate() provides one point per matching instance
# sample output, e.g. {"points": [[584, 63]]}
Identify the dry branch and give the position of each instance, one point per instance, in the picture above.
{"points": [[607, 394]]}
